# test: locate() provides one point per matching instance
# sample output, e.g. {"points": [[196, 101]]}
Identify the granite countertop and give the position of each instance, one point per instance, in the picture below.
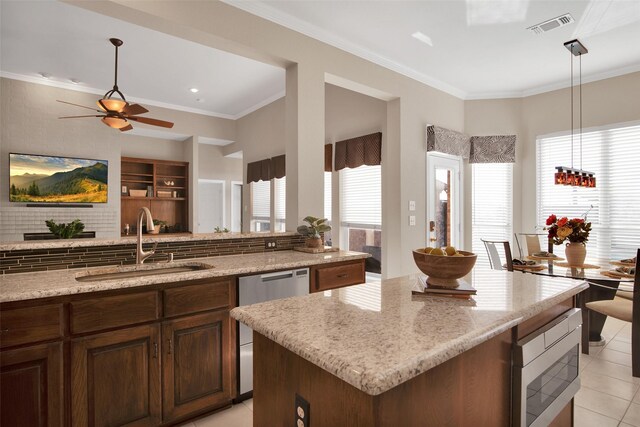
{"points": [[27, 286], [378, 335], [131, 240]]}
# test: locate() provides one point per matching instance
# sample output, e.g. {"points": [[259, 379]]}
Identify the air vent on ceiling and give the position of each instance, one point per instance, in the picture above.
{"points": [[552, 24]]}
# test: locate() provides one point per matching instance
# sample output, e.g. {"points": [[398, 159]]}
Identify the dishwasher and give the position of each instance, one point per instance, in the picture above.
{"points": [[261, 288]]}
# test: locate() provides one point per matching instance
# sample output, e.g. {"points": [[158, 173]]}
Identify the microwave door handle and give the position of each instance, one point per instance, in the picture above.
{"points": [[270, 277]]}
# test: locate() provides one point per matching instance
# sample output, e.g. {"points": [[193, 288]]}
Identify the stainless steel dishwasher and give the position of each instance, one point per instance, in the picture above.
{"points": [[261, 288]]}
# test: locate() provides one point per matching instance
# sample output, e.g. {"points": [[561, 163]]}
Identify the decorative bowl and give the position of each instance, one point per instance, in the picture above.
{"points": [[443, 271]]}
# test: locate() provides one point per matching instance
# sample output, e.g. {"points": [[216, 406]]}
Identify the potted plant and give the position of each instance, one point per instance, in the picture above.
{"points": [[65, 231], [158, 225], [313, 230]]}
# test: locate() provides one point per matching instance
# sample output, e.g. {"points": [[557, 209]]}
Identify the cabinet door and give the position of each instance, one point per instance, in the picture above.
{"points": [[198, 363], [115, 378], [31, 386]]}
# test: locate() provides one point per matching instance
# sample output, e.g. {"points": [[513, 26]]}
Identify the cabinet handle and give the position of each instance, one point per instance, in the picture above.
{"points": [[4, 331], [170, 346], [155, 350], [342, 276]]}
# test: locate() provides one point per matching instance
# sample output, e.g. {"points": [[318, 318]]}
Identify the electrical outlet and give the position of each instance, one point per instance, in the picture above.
{"points": [[302, 411], [270, 244], [412, 220], [412, 205]]}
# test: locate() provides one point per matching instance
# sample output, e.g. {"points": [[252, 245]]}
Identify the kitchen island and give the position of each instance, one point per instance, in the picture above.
{"points": [[376, 355]]}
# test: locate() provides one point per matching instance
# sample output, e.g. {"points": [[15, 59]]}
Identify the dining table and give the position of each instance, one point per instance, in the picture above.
{"points": [[603, 286]]}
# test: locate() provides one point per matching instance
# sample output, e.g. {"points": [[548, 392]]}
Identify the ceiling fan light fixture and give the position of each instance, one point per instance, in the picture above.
{"points": [[115, 122], [112, 104]]}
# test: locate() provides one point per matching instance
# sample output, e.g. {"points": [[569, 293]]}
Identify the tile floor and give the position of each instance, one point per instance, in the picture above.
{"points": [[609, 395]]}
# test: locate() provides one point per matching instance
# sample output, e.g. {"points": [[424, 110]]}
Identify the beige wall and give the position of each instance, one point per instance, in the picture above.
{"points": [[29, 124], [609, 101], [222, 26]]}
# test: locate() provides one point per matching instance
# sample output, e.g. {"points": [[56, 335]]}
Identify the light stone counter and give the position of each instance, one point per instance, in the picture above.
{"points": [[131, 240], [378, 335], [26, 286]]}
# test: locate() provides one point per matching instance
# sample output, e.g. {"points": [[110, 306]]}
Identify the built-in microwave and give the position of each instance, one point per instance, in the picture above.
{"points": [[546, 371]]}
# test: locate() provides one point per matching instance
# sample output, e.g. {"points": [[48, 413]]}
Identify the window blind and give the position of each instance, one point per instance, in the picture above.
{"points": [[260, 205], [614, 205], [361, 197], [280, 201], [327, 195], [492, 206]]}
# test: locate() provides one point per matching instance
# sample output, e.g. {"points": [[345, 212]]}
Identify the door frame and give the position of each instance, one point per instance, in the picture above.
{"points": [[224, 199], [431, 160], [241, 184]]}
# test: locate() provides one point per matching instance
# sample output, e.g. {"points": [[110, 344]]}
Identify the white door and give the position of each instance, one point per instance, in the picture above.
{"points": [[236, 206], [210, 205], [444, 200]]}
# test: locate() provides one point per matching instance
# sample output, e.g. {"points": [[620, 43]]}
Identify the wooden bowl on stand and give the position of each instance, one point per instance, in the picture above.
{"points": [[444, 271]]}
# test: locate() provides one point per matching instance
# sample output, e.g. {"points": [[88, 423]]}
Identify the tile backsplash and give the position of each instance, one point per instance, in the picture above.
{"points": [[14, 222], [25, 260]]}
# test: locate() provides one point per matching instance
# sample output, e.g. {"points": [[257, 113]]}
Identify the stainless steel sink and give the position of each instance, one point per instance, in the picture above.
{"points": [[140, 271]]}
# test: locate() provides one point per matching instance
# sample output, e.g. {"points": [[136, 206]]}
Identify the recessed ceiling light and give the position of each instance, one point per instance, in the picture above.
{"points": [[45, 75], [194, 90], [423, 38], [75, 81]]}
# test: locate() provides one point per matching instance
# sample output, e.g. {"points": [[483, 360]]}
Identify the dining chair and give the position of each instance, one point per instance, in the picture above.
{"points": [[627, 309], [494, 255], [528, 243]]}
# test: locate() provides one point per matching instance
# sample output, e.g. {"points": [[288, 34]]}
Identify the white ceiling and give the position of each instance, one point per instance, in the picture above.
{"points": [[481, 48], [68, 42]]}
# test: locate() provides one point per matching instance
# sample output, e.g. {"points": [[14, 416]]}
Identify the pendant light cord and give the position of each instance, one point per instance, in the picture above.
{"points": [[571, 59], [115, 82], [580, 110]]}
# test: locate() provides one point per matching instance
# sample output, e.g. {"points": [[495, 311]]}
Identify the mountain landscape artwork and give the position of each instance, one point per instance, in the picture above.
{"points": [[48, 179]]}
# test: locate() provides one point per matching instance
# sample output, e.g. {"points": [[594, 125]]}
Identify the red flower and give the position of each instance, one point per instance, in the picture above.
{"points": [[563, 221], [578, 220], [552, 218]]}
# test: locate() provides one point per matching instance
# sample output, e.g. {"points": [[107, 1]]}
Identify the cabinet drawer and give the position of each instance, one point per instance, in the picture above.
{"points": [[112, 312], [31, 324], [339, 276], [195, 298]]}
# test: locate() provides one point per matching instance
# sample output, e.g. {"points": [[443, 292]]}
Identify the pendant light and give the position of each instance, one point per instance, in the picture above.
{"points": [[570, 175]]}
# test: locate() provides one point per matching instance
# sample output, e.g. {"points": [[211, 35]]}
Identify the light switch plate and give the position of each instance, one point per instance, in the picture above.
{"points": [[412, 205], [412, 220]]}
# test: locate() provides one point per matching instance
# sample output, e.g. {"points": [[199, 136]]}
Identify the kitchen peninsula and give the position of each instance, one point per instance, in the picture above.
{"points": [[376, 354], [73, 337]]}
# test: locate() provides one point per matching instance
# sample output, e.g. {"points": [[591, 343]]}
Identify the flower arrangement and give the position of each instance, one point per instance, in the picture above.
{"points": [[574, 230]]}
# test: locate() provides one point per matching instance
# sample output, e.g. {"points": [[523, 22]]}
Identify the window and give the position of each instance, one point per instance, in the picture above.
{"points": [[361, 212], [327, 194], [260, 206], [613, 207], [492, 206], [280, 202]]}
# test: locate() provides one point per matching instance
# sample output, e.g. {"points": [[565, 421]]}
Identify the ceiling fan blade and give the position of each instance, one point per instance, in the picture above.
{"points": [[150, 121], [134, 109], [126, 128], [77, 117], [77, 105]]}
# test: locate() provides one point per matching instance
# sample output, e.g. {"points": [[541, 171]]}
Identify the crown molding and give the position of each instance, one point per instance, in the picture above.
{"points": [[86, 89]]}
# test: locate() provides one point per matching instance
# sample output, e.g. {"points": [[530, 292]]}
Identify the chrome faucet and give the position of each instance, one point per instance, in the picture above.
{"points": [[140, 254]]}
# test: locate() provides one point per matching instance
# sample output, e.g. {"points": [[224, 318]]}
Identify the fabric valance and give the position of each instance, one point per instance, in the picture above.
{"points": [[362, 150], [493, 149], [328, 158], [278, 166], [448, 141], [259, 171]]}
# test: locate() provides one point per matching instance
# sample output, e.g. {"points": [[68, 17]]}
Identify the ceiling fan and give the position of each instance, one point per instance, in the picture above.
{"points": [[117, 112]]}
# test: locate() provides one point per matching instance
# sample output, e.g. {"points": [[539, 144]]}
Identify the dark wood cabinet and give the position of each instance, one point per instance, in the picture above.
{"points": [[196, 363], [165, 191], [31, 386], [115, 378]]}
